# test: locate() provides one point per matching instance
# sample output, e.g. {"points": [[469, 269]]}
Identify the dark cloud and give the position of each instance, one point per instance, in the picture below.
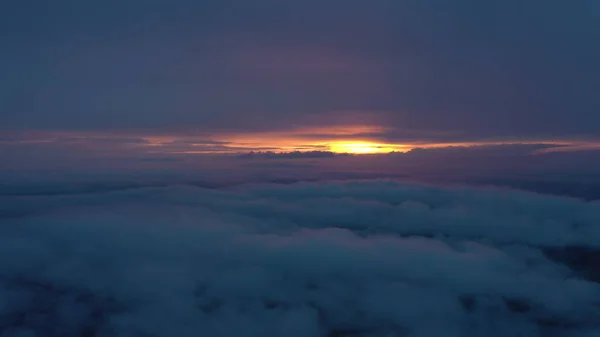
{"points": [[269, 165], [160, 159], [508, 69], [26, 167], [291, 155]]}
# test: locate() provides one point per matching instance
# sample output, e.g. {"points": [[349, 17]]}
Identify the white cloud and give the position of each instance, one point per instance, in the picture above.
{"points": [[371, 258]]}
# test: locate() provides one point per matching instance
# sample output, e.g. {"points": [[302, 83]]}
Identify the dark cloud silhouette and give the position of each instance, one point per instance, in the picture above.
{"points": [[291, 155], [528, 166], [160, 159]]}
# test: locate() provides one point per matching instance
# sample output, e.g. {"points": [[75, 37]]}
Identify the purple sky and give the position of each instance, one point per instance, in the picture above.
{"points": [[133, 78]]}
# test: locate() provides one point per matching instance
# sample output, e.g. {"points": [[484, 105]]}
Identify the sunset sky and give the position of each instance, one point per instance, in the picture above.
{"points": [[227, 77], [300, 168]]}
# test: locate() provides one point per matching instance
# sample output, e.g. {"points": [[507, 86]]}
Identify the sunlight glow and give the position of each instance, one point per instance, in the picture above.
{"points": [[365, 147], [348, 139]]}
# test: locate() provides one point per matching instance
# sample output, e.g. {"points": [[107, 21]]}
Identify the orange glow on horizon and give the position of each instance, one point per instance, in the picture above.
{"points": [[337, 139], [351, 139], [366, 147], [340, 139]]}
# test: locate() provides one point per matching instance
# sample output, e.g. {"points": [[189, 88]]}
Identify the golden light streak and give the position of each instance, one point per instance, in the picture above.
{"points": [[352, 139], [366, 147], [333, 139]]}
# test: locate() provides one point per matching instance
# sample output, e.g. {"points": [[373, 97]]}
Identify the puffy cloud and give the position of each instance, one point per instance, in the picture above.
{"points": [[362, 258]]}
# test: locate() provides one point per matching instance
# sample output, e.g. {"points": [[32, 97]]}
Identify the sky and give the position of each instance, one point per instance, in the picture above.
{"points": [[341, 168], [185, 77]]}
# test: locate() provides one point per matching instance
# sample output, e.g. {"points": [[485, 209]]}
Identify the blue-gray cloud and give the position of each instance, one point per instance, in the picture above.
{"points": [[374, 258]]}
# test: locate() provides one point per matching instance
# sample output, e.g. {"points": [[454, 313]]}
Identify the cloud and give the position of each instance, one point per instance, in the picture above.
{"points": [[26, 168], [291, 155], [160, 160], [357, 258], [484, 150]]}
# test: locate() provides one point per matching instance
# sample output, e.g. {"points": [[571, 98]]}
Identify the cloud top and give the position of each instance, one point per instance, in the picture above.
{"points": [[357, 258]]}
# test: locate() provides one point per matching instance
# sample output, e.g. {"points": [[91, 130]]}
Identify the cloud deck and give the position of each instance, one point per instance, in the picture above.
{"points": [[368, 258]]}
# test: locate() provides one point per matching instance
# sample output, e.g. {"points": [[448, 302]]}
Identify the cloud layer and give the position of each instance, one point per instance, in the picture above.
{"points": [[363, 258]]}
